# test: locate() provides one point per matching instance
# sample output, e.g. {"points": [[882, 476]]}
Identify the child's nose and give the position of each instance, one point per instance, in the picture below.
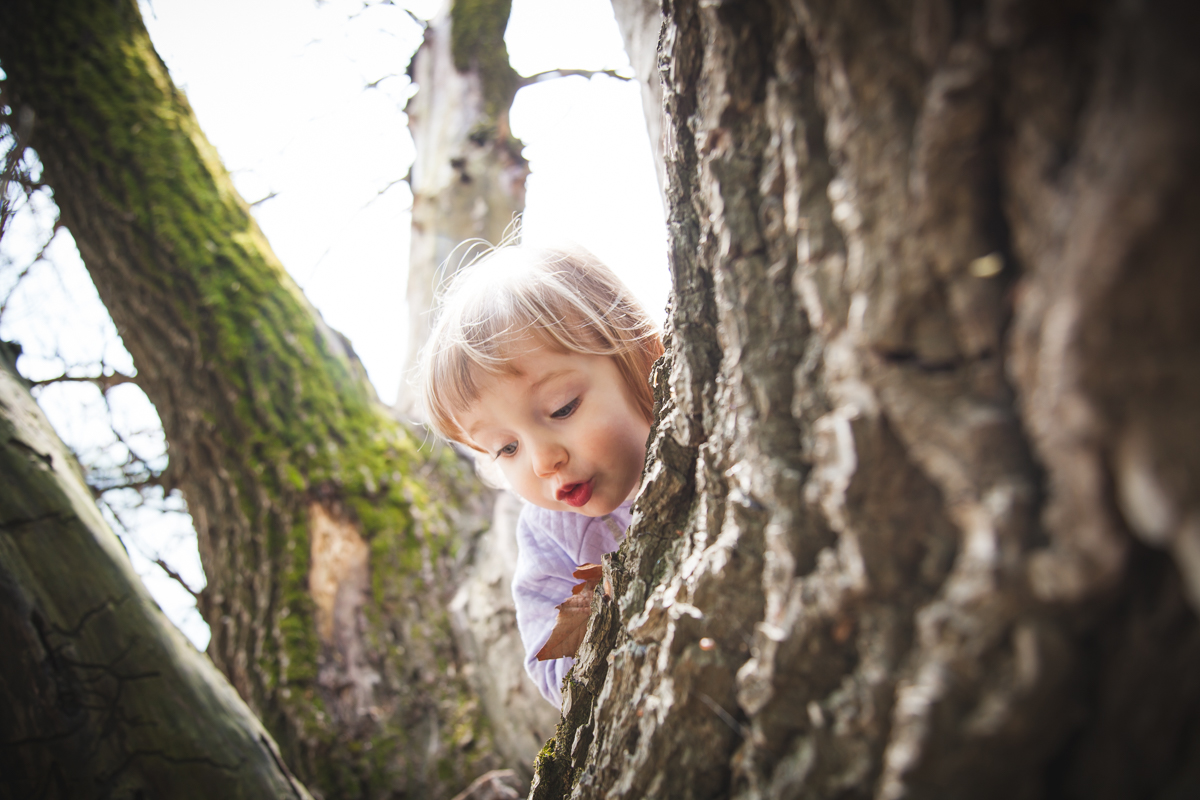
{"points": [[548, 458]]}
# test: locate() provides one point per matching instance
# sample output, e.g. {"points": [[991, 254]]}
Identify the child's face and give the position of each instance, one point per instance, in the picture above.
{"points": [[562, 430]]}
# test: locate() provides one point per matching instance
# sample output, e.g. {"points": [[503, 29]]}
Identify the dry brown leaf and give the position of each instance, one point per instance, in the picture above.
{"points": [[573, 615]]}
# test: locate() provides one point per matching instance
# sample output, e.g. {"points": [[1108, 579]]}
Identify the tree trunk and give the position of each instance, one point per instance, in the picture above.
{"points": [[468, 180], [100, 696], [922, 517], [331, 538]]}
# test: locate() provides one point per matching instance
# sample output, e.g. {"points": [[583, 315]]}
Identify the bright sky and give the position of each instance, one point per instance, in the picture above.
{"points": [[279, 87]]}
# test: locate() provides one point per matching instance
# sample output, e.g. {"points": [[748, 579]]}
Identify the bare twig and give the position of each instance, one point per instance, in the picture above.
{"points": [[156, 480], [13, 290], [566, 73], [105, 381], [424, 23], [386, 189], [175, 576], [375, 83], [20, 131], [262, 200]]}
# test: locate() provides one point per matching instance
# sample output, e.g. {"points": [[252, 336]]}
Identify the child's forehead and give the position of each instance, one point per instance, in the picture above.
{"points": [[527, 369], [523, 377]]}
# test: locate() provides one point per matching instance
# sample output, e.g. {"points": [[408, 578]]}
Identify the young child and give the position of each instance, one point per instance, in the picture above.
{"points": [[540, 360]]}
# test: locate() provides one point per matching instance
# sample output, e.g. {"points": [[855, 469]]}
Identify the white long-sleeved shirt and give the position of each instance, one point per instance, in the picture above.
{"points": [[550, 546]]}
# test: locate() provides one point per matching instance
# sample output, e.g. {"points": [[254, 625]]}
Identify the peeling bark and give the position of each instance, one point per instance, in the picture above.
{"points": [[919, 516]]}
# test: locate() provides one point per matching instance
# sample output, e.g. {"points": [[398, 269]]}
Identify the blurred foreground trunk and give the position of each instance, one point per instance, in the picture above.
{"points": [[100, 696], [332, 540], [923, 515]]}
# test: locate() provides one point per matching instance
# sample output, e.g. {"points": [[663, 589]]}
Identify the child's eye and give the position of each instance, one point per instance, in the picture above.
{"points": [[508, 450], [566, 410]]}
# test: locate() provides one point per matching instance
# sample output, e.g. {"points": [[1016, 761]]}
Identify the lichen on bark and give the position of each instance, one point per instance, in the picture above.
{"points": [[477, 44]]}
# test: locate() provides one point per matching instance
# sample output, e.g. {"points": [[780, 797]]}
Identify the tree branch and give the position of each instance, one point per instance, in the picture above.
{"points": [[21, 130], [262, 200], [177, 578], [104, 381], [566, 73], [375, 83], [155, 479]]}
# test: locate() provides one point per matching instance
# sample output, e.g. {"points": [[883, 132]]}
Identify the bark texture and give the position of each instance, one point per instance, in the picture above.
{"points": [[920, 516], [330, 540], [100, 695]]}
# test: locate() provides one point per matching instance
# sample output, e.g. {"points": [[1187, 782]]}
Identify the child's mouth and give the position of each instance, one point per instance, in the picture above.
{"points": [[576, 494]]}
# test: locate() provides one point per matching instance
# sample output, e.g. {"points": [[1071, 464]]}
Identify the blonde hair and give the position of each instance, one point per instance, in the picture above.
{"points": [[559, 297]]}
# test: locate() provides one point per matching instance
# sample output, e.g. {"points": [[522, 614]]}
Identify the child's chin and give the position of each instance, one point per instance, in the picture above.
{"points": [[594, 508]]}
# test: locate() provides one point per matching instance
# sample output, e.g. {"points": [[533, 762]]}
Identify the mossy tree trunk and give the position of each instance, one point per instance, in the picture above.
{"points": [[923, 514], [330, 540], [101, 696]]}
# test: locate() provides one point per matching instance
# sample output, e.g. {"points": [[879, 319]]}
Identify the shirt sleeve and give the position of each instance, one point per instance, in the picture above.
{"points": [[550, 546]]}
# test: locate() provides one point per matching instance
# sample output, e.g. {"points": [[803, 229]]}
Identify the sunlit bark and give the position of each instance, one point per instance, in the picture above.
{"points": [[468, 179], [468, 184]]}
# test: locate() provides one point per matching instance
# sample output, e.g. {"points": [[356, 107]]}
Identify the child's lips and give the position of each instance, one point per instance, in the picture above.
{"points": [[575, 494]]}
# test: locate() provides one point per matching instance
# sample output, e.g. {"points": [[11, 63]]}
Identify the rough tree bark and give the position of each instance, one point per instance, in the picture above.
{"points": [[922, 515], [332, 544], [100, 695]]}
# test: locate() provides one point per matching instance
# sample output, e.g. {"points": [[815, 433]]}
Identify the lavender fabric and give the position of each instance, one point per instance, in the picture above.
{"points": [[550, 546]]}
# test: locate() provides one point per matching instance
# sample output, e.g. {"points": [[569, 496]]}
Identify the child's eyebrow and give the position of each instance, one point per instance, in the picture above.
{"points": [[549, 376], [471, 431]]}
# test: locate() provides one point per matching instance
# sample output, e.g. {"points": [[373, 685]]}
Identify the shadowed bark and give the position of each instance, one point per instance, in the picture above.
{"points": [[920, 519]]}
